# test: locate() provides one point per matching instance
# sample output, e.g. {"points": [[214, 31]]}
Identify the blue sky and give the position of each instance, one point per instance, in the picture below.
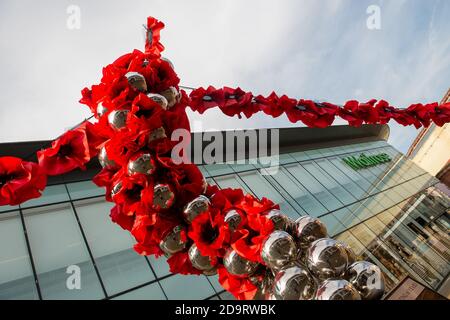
{"points": [[319, 49]]}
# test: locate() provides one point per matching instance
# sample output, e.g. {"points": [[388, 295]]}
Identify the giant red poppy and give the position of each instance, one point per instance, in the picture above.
{"points": [[210, 233], [69, 152], [20, 181]]}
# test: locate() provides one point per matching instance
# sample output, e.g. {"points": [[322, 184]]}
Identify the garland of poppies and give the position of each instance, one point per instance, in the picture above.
{"points": [[169, 208]]}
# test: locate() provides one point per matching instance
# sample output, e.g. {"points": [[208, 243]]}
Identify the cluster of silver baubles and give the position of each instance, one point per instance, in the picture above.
{"points": [[300, 261]]}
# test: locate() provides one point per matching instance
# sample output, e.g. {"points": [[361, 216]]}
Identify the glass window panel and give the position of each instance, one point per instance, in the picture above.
{"points": [[299, 156], [343, 180], [57, 243], [150, 292], [218, 169], [262, 188], [346, 217], [352, 241], [120, 267], [8, 208], [231, 181], [190, 287], [16, 275], [333, 225], [215, 283], [314, 187], [298, 192], [160, 265], [50, 195], [332, 186], [363, 234], [84, 189]]}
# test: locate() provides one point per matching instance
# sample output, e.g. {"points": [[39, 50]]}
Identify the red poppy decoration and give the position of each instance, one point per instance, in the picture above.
{"points": [[20, 181], [240, 288], [147, 125], [69, 152], [210, 233]]}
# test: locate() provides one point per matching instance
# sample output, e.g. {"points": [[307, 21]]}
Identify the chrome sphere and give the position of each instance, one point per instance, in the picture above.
{"points": [[172, 96], [279, 220], [105, 162], [137, 81], [163, 196], [308, 229], [367, 278], [350, 253], [159, 99], [233, 218], [278, 249], [337, 290], [117, 119], [237, 265], [326, 258], [172, 242], [116, 188], [101, 109], [156, 134], [143, 164], [264, 286], [198, 261], [197, 206], [294, 283]]}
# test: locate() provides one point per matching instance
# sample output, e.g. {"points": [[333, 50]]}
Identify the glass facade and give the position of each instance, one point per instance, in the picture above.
{"points": [[390, 214]]}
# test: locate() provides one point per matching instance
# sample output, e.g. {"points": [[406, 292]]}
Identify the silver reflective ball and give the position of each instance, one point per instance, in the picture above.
{"points": [[326, 258], [101, 109], [105, 162], [156, 134], [367, 278], [168, 61], [172, 242], [116, 189], [137, 81], [308, 229], [198, 261], [264, 286], [279, 220], [294, 283], [163, 196], [118, 119], [195, 207], [278, 249], [337, 290], [233, 218], [237, 265], [159, 99], [143, 164], [350, 253], [172, 96]]}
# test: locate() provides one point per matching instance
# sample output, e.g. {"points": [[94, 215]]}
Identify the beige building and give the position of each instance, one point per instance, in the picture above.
{"points": [[431, 149]]}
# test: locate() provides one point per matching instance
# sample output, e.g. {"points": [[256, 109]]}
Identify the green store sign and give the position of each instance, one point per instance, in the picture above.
{"points": [[366, 161]]}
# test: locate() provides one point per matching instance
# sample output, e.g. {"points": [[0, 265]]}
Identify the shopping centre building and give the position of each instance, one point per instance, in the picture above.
{"points": [[368, 194]]}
